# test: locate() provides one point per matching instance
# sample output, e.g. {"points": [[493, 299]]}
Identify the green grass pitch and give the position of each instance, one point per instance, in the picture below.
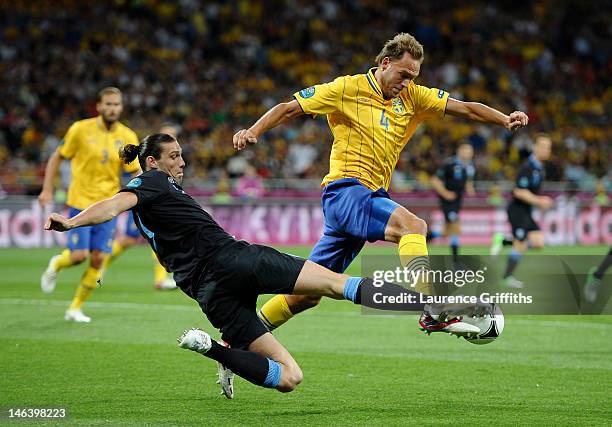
{"points": [[125, 367]]}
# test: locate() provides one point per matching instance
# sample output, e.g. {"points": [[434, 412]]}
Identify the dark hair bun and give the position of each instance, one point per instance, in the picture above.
{"points": [[128, 153]]}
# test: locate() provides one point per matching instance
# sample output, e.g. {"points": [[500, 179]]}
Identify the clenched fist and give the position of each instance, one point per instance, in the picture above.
{"points": [[242, 137], [516, 120]]}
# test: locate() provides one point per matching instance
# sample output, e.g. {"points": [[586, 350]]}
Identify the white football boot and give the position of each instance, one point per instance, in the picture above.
{"points": [[48, 280], [225, 377], [226, 381], [199, 341], [195, 340], [76, 316], [166, 284], [453, 326]]}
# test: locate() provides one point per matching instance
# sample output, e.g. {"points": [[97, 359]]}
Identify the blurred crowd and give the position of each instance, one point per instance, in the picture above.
{"points": [[214, 66]]}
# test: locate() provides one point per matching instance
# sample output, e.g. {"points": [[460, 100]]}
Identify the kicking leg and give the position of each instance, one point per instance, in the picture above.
{"points": [[334, 251], [401, 226], [408, 231], [317, 280]]}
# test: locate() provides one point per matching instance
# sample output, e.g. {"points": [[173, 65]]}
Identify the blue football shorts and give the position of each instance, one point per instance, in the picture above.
{"points": [[353, 215], [94, 237]]}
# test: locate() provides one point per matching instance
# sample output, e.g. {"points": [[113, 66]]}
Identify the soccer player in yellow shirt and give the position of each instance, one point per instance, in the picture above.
{"points": [[372, 117], [92, 146]]}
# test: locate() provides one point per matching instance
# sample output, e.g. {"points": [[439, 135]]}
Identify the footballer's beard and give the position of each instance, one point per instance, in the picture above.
{"points": [[110, 119], [385, 89], [388, 91]]}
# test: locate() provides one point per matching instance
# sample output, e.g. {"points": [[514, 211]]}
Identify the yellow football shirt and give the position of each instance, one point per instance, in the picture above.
{"points": [[96, 169], [369, 131]]}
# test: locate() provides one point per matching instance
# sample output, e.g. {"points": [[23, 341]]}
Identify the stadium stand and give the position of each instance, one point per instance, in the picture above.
{"points": [[215, 67]]}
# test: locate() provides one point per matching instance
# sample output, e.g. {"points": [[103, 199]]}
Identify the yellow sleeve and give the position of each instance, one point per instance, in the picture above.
{"points": [[70, 143], [321, 99], [134, 166], [430, 102]]}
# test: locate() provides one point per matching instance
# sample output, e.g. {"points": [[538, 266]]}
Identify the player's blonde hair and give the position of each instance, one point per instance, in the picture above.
{"points": [[400, 44], [110, 90]]}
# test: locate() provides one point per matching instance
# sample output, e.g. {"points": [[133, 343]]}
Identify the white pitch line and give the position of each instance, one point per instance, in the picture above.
{"points": [[98, 304]]}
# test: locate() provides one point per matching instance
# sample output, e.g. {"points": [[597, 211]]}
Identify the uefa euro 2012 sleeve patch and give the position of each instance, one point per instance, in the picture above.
{"points": [[134, 183], [308, 92]]}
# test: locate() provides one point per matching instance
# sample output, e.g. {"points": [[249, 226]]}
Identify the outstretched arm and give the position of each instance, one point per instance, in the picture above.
{"points": [[485, 114], [275, 116], [97, 213]]}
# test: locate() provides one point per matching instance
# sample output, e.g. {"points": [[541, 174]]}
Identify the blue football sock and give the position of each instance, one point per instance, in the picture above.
{"points": [[351, 286], [454, 243], [274, 374], [369, 293], [513, 260], [251, 366]]}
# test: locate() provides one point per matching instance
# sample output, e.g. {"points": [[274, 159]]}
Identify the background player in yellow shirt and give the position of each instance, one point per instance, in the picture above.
{"points": [[131, 237], [372, 116], [92, 146]]}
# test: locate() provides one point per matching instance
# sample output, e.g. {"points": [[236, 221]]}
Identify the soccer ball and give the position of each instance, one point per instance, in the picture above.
{"points": [[491, 326]]}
